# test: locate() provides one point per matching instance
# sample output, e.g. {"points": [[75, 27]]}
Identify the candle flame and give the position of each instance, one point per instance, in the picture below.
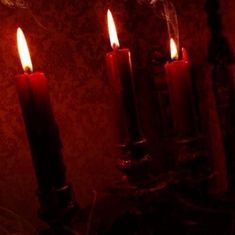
{"points": [[174, 51], [23, 51], [112, 31]]}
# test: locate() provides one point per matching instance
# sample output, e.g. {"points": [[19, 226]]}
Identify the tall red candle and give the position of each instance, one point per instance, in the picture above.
{"points": [[119, 68], [42, 131], [180, 91]]}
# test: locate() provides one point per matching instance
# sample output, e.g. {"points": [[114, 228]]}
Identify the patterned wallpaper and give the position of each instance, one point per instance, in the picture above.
{"points": [[68, 41]]}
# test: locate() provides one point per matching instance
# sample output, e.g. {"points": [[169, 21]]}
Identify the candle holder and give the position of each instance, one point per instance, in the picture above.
{"points": [[57, 205], [193, 165], [135, 162]]}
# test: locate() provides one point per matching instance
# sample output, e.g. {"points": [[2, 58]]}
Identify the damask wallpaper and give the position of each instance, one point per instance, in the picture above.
{"points": [[68, 41]]}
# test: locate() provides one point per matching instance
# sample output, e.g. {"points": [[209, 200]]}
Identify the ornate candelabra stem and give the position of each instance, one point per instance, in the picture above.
{"points": [[134, 162], [57, 205]]}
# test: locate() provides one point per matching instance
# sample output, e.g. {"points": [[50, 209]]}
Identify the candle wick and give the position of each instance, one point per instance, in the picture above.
{"points": [[27, 70], [115, 46], [174, 59]]}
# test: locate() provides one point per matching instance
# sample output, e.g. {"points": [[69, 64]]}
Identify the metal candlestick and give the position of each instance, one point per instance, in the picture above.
{"points": [[135, 161], [57, 205]]}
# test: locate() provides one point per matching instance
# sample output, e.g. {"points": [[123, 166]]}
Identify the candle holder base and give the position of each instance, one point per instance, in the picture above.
{"points": [[135, 162], [57, 205]]}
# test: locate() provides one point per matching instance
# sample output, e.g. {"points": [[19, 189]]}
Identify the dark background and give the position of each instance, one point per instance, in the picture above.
{"points": [[68, 41]]}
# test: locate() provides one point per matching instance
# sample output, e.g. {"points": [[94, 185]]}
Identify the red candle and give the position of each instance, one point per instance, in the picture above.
{"points": [[180, 90], [119, 68], [42, 131]]}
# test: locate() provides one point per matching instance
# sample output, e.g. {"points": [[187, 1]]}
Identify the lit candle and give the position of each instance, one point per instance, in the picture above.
{"points": [[119, 68], [180, 90], [39, 121]]}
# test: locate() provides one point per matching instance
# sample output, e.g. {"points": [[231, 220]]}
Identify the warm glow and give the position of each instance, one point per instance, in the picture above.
{"points": [[112, 31], [23, 51], [185, 55], [174, 52]]}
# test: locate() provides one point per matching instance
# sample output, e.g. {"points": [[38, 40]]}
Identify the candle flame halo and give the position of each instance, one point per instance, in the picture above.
{"points": [[174, 51], [112, 31], [24, 51]]}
